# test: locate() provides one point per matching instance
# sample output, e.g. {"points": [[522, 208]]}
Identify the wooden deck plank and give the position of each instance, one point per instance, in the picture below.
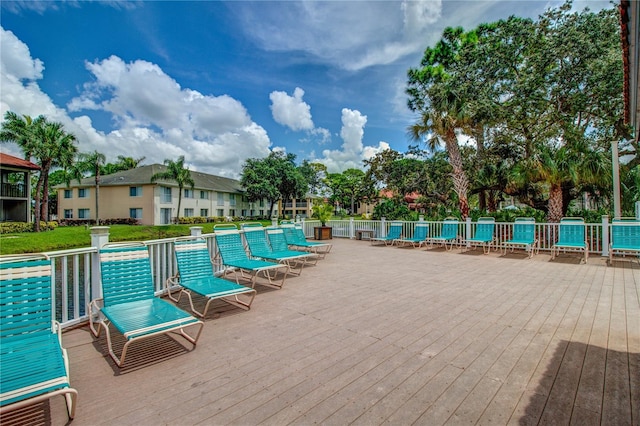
{"points": [[380, 335]]}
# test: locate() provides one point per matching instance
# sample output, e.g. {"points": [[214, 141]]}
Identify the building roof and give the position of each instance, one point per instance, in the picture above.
{"points": [[11, 161], [142, 176]]}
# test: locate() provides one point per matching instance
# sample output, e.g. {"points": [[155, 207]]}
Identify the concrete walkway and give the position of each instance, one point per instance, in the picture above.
{"points": [[384, 335]]}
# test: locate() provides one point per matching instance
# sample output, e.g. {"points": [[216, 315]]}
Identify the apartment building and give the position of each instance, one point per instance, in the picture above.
{"points": [[130, 194]]}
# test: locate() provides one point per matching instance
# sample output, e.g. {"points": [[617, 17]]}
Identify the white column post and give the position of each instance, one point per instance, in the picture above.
{"points": [[99, 237], [467, 230], [196, 231], [605, 235], [352, 228]]}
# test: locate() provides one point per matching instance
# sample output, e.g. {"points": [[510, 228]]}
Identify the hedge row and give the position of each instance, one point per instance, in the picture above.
{"points": [[18, 227]]}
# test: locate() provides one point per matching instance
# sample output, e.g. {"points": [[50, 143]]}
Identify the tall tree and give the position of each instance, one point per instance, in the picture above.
{"points": [[48, 143], [441, 107], [91, 163], [273, 178], [176, 171]]}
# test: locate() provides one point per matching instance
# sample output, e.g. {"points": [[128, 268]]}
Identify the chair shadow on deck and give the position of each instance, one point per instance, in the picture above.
{"points": [[38, 414], [586, 385], [145, 353]]}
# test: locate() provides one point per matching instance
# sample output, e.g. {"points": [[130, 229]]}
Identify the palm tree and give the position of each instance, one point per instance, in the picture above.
{"points": [[91, 162], [48, 143], [441, 122], [177, 172]]}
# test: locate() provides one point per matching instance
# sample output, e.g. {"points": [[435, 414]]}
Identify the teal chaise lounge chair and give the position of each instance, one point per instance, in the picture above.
{"points": [[129, 302], [625, 238], [256, 239], [195, 275], [448, 234], [395, 233], [35, 366], [233, 256], [524, 236], [294, 235], [571, 237], [278, 243], [419, 237], [483, 236]]}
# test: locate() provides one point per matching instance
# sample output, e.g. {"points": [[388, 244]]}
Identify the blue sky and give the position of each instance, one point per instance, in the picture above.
{"points": [[220, 82]]}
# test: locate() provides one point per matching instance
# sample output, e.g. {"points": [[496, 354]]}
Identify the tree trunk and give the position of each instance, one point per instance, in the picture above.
{"points": [[460, 181], [44, 207], [555, 204], [179, 202], [37, 212]]}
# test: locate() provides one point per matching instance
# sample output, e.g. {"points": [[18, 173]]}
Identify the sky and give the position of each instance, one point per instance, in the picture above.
{"points": [[221, 82]]}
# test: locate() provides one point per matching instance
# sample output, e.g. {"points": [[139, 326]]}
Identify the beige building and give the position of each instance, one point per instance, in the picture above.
{"points": [[130, 194]]}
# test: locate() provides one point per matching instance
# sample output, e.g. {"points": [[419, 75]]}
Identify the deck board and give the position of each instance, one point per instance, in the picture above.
{"points": [[381, 335]]}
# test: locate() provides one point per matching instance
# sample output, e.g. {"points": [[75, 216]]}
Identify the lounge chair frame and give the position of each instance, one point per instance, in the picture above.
{"points": [[625, 238], [294, 235], [259, 247], [524, 237], [483, 236], [448, 234], [195, 275], [419, 237], [572, 237], [128, 300], [233, 256], [35, 365], [394, 234]]}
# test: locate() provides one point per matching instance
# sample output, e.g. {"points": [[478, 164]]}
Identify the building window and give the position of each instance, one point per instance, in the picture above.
{"points": [[188, 193], [135, 213], [232, 212], [135, 191], [83, 213], [220, 199], [165, 194], [188, 212], [68, 193], [261, 212], [204, 212], [232, 199], [220, 212], [83, 193], [204, 195], [261, 203], [165, 216], [68, 213]]}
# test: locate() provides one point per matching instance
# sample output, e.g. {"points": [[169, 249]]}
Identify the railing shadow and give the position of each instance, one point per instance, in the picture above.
{"points": [[586, 384]]}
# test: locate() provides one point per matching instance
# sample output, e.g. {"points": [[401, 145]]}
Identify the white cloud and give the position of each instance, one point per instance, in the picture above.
{"points": [[353, 150], [351, 35], [291, 111], [294, 113], [154, 117]]}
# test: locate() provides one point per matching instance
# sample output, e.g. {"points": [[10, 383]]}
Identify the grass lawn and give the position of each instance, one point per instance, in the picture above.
{"points": [[68, 237]]}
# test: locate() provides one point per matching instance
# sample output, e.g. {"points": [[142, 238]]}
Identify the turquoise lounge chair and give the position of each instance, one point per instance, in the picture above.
{"points": [[625, 238], [231, 251], [35, 366], [420, 233], [483, 235], [259, 247], [448, 234], [524, 236], [129, 302], [571, 237], [278, 244], [395, 232], [195, 275], [294, 235]]}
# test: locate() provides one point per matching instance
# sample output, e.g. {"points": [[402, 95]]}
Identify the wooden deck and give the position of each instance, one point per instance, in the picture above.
{"points": [[384, 335]]}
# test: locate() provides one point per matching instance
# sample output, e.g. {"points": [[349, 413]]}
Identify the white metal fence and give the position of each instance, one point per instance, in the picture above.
{"points": [[77, 277]]}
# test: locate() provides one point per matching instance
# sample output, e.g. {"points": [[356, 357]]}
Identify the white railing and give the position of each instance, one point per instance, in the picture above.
{"points": [[77, 276]]}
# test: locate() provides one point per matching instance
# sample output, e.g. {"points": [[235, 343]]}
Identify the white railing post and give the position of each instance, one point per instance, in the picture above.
{"points": [[196, 231], [352, 229], [467, 230], [605, 236], [383, 227], [99, 237]]}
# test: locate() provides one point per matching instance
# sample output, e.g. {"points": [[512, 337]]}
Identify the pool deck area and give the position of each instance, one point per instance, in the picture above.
{"points": [[376, 335]]}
